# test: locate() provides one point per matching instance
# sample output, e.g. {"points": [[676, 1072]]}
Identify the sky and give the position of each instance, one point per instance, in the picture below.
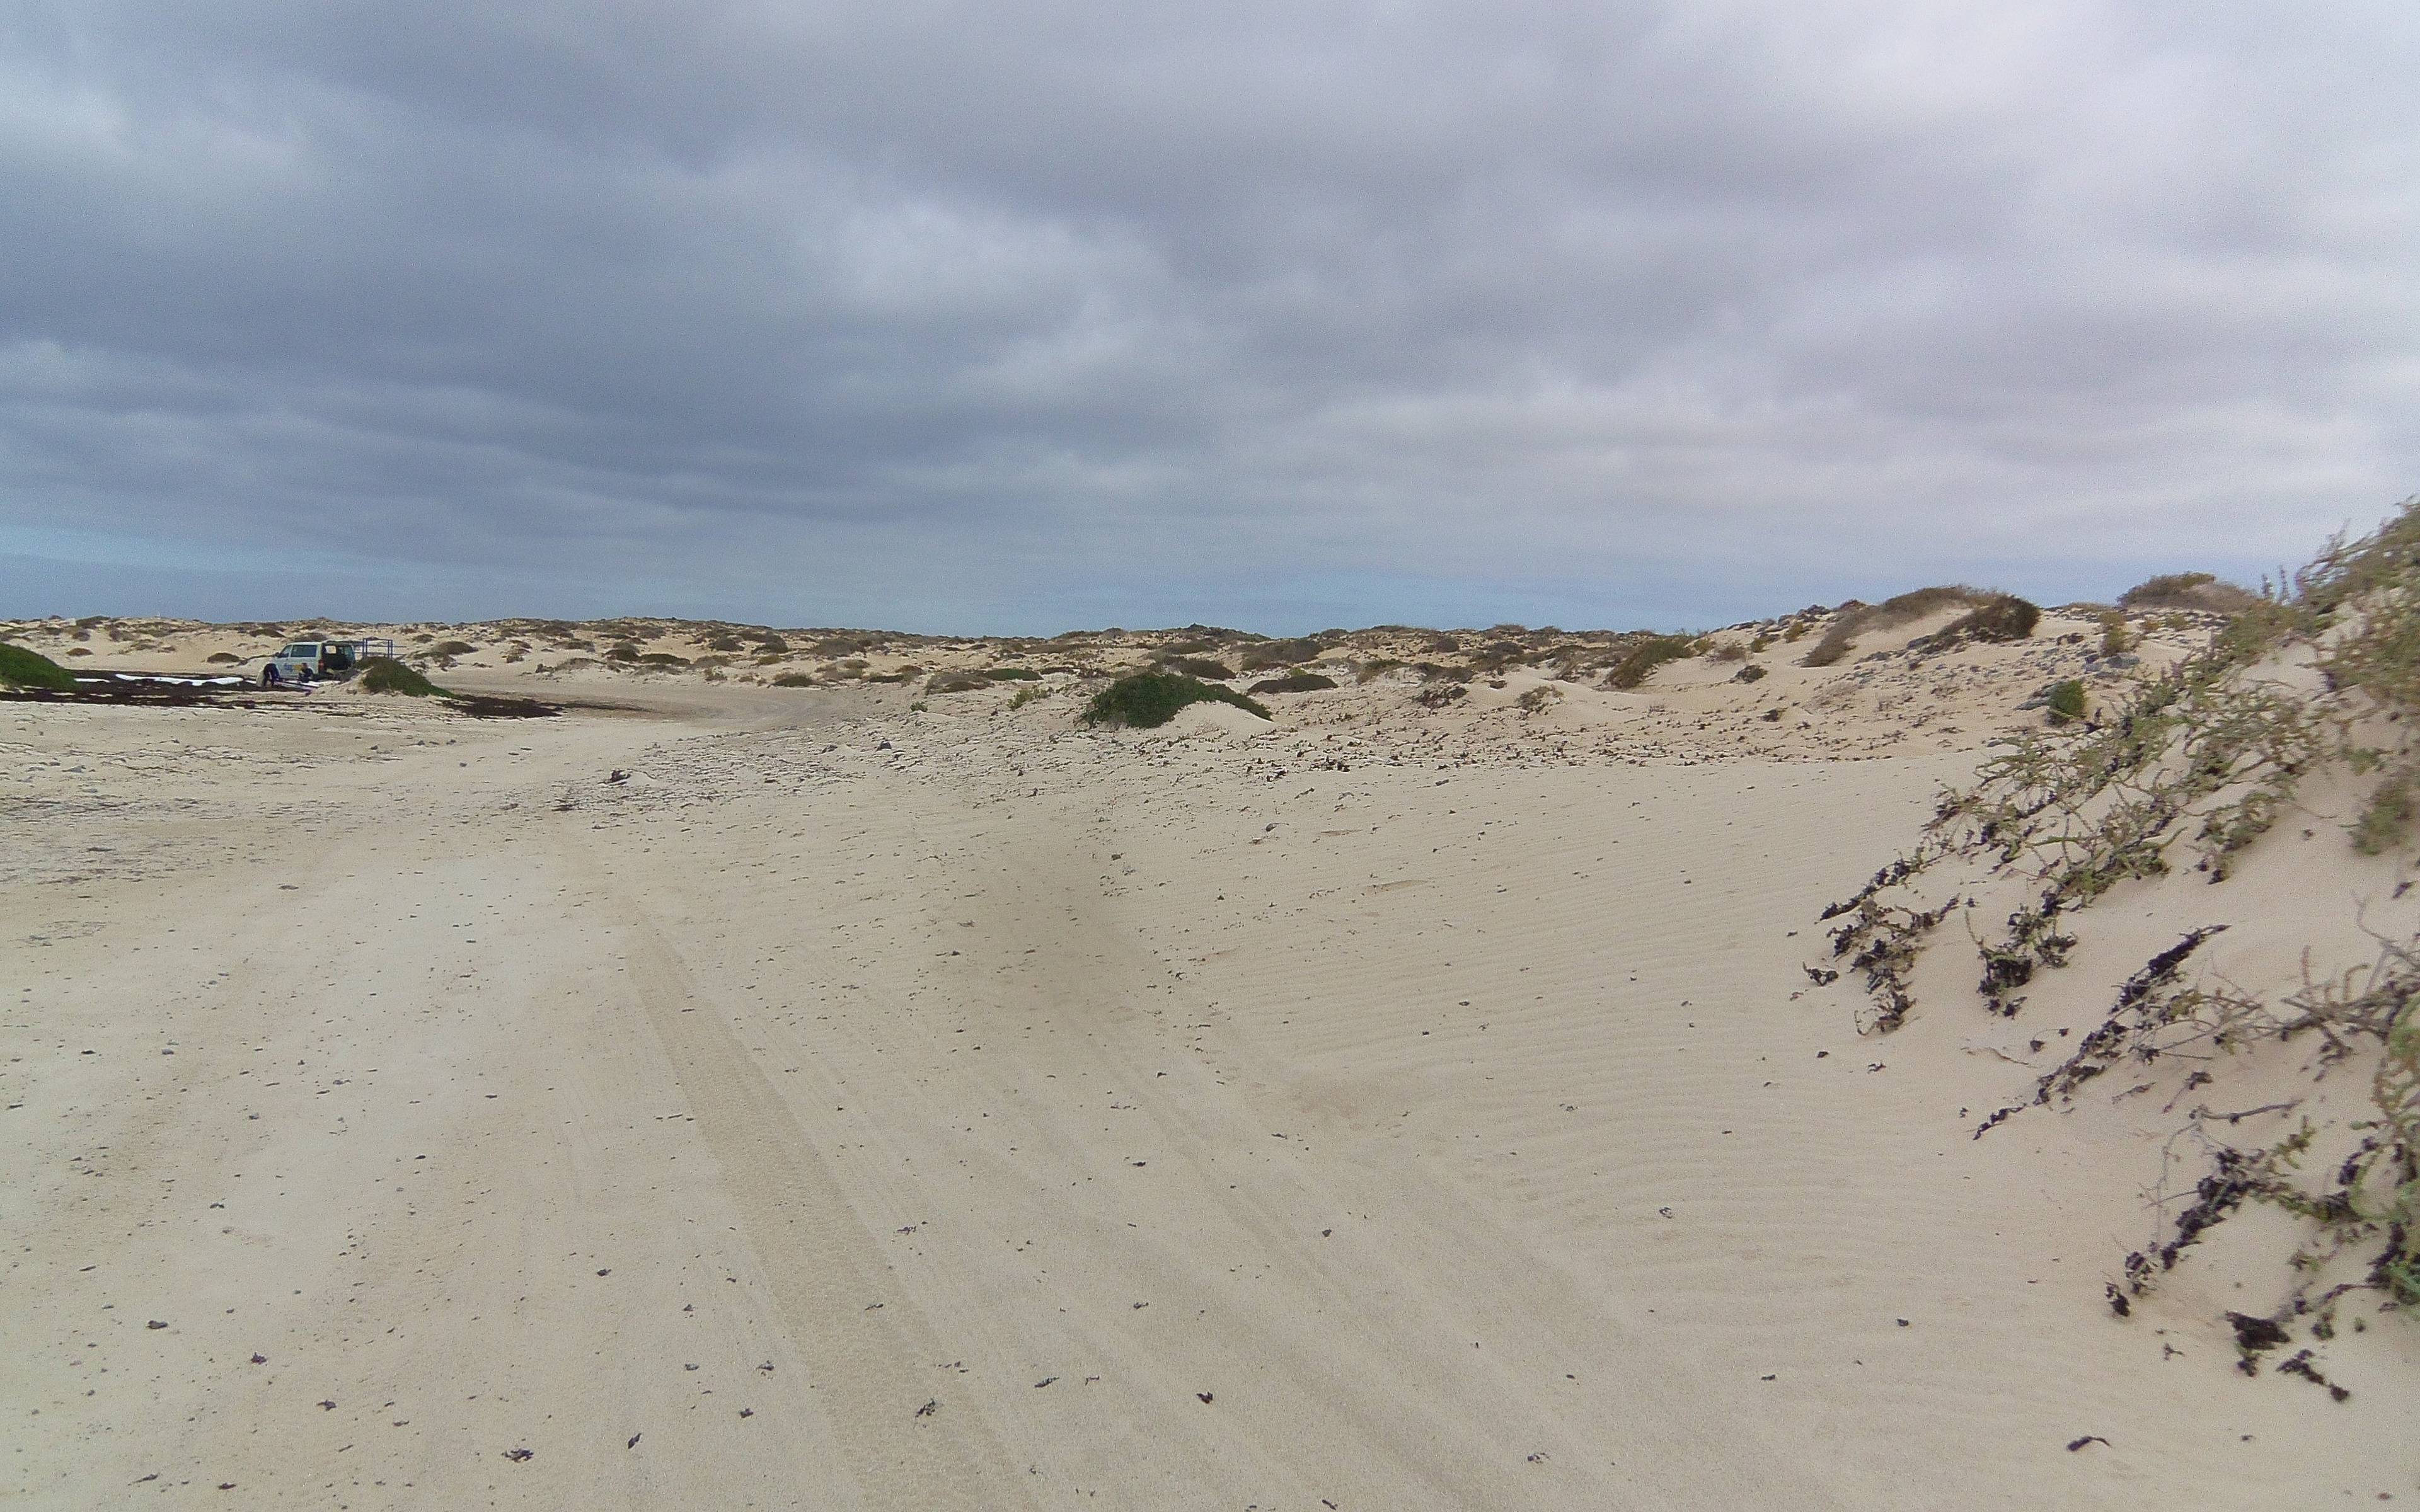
{"points": [[973, 318]]}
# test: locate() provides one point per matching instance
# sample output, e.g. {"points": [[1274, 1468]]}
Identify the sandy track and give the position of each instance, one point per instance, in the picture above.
{"points": [[1456, 1133]]}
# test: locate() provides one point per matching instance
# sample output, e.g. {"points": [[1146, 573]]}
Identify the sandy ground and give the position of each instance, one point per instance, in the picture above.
{"points": [[779, 1098]]}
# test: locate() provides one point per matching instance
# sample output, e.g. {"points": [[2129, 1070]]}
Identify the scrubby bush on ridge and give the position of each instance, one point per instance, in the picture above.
{"points": [[1999, 619], [1293, 683], [1269, 653], [1853, 619], [1202, 667], [1145, 701], [2187, 590], [1643, 658]]}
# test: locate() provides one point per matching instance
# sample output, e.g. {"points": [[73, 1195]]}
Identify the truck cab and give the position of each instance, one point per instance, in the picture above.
{"points": [[312, 661], [298, 661], [309, 661]]}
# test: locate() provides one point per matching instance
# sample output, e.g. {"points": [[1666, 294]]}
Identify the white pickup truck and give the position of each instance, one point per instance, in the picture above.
{"points": [[313, 662]]}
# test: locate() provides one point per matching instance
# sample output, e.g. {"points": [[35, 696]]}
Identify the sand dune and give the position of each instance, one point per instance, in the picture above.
{"points": [[783, 1097]]}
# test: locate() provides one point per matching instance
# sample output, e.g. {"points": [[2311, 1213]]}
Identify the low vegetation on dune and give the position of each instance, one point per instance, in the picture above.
{"points": [[1145, 701], [1293, 683], [1202, 667], [21, 667], [1268, 653], [2188, 591], [2313, 689], [1997, 620], [1991, 616], [384, 674], [1644, 658]]}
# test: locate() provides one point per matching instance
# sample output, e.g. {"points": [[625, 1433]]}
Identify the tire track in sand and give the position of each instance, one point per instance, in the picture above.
{"points": [[872, 1367]]}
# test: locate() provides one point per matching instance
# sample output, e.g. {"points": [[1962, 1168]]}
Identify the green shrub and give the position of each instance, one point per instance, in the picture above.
{"points": [[2117, 636], [452, 648], [2066, 702], [2386, 819], [1268, 653], [384, 674], [1294, 683], [954, 682], [1643, 658], [1011, 674], [1145, 701], [21, 667]]}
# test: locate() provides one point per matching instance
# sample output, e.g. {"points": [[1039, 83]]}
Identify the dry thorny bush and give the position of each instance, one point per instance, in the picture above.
{"points": [[2191, 770]]}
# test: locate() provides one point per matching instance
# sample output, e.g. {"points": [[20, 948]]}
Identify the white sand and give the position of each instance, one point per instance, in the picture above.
{"points": [[1439, 1096]]}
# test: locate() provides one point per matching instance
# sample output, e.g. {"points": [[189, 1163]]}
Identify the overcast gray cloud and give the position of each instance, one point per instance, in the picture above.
{"points": [[945, 315]]}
